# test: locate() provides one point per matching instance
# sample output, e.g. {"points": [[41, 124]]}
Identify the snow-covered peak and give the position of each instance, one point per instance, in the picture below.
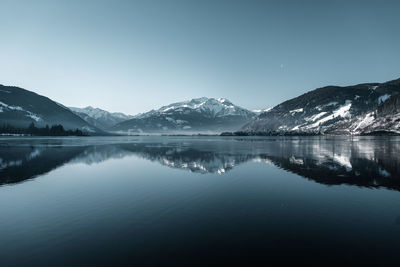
{"points": [[97, 113], [223, 100], [215, 107]]}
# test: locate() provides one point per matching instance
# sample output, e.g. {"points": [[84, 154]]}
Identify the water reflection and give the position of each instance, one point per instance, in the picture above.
{"points": [[369, 162]]}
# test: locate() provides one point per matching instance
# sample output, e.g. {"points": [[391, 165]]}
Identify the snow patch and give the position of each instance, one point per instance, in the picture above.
{"points": [[11, 107], [316, 116], [333, 103], [367, 120], [33, 116], [384, 172], [344, 161], [221, 171], [296, 161], [33, 154], [383, 98], [299, 110], [342, 111]]}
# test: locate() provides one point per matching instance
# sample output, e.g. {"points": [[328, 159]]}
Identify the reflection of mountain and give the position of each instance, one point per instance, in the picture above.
{"points": [[97, 154], [24, 162], [189, 158], [368, 162]]}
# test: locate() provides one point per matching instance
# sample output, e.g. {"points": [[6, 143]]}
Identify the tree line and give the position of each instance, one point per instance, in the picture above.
{"points": [[55, 130]]}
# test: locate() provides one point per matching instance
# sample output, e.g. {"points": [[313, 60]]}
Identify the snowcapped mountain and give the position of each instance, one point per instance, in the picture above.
{"points": [[358, 109], [204, 114], [100, 118], [20, 107]]}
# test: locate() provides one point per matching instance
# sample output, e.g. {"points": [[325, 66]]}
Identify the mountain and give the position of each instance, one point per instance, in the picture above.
{"points": [[20, 107], [200, 115], [100, 118], [359, 109]]}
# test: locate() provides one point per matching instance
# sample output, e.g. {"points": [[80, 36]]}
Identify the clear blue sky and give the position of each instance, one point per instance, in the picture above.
{"points": [[133, 56]]}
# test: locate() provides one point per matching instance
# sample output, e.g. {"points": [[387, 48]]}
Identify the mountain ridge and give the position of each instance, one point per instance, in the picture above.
{"points": [[328, 110], [99, 117], [196, 115], [20, 107], [362, 109]]}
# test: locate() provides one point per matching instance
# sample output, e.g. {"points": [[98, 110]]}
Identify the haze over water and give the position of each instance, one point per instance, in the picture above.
{"points": [[199, 200]]}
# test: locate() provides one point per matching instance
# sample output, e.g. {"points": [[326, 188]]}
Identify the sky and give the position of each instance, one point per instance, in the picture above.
{"points": [[134, 56]]}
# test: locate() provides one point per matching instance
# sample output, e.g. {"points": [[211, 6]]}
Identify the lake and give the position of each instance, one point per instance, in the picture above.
{"points": [[199, 200]]}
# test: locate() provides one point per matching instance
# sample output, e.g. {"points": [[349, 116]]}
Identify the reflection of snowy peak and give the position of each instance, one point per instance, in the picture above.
{"points": [[194, 160], [98, 154], [331, 109], [197, 115], [333, 160]]}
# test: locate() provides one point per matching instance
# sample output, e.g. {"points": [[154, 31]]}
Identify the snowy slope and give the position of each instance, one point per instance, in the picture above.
{"points": [[386, 118], [330, 110], [20, 107]]}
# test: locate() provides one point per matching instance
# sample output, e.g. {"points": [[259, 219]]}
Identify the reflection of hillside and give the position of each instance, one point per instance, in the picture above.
{"points": [[25, 162], [364, 162], [19, 163]]}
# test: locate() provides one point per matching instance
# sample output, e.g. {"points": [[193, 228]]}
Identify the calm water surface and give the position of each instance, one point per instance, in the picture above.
{"points": [[199, 200]]}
